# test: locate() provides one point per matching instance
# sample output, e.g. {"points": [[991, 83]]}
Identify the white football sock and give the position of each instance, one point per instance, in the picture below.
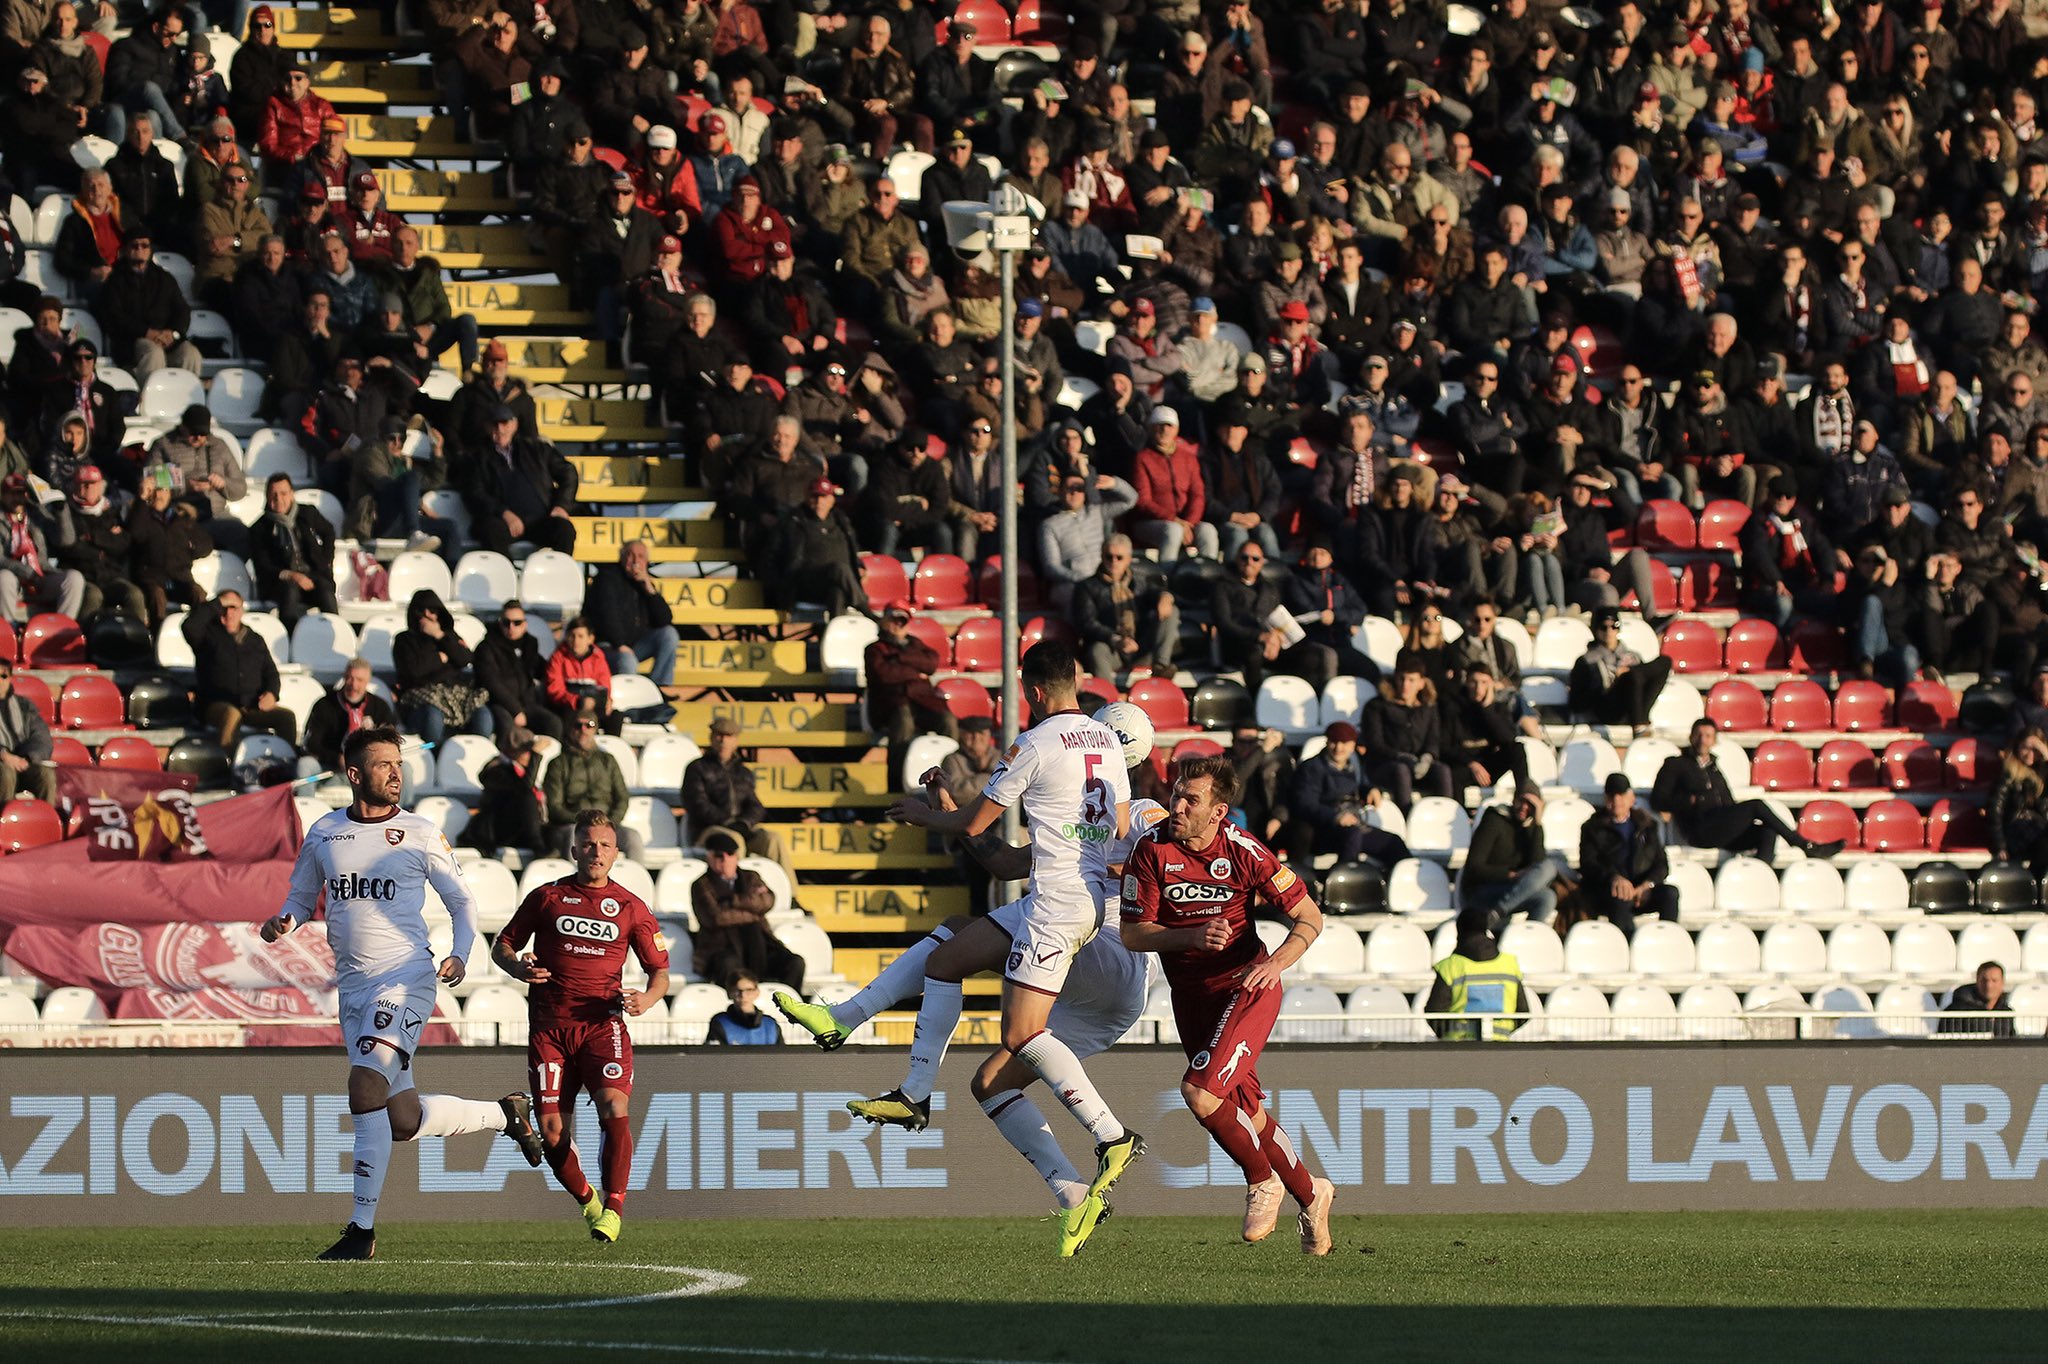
{"points": [[936, 1019], [1025, 1128], [1061, 1070], [444, 1115], [373, 1158], [896, 982]]}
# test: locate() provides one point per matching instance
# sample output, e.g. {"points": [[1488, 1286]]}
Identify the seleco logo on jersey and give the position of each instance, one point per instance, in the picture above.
{"points": [[1197, 893], [614, 1071], [352, 886], [1220, 868], [609, 908], [575, 926]]}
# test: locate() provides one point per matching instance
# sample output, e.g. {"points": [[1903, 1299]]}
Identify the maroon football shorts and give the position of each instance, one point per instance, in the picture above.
{"points": [[1223, 1033], [565, 1058]]}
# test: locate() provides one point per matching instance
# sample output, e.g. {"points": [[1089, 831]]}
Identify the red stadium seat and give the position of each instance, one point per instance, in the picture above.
{"points": [[1752, 646], [988, 585], [1781, 765], [26, 824], [1798, 707], [1721, 524], [1663, 586], [1825, 821], [1957, 826], [1860, 707], [978, 646], [66, 751], [1693, 646], [942, 582], [1893, 826], [52, 640], [1966, 764], [1194, 748], [931, 634], [1097, 692], [1736, 705], [1912, 765], [1663, 524], [36, 692], [1161, 700], [1816, 647], [132, 753], [991, 22], [881, 577], [1709, 586], [92, 701], [1044, 627], [1845, 765], [966, 698], [1039, 23], [10, 644], [1926, 705]]}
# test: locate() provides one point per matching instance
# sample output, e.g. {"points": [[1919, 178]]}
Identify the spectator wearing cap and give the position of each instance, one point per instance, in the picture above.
{"points": [[209, 475], [1208, 358], [540, 124], [80, 392], [1155, 361], [1622, 865], [291, 554], [208, 152], [1080, 248], [663, 180], [570, 190], [1073, 538], [491, 387], [733, 943], [510, 670], [142, 69], [585, 776], [345, 414], [89, 241], [234, 676], [31, 579], [1172, 499], [817, 558], [1788, 560], [717, 168], [957, 175], [902, 702], [1611, 684], [1330, 803], [365, 223], [748, 234], [617, 245], [630, 93], [509, 808], [1298, 367], [718, 793], [789, 318], [352, 293], [145, 182], [876, 237], [1288, 281], [231, 233], [167, 541], [93, 538], [40, 129], [1095, 174], [951, 87], [292, 121], [1232, 148], [630, 617], [519, 487], [733, 418], [877, 84], [199, 91], [909, 499], [259, 67]]}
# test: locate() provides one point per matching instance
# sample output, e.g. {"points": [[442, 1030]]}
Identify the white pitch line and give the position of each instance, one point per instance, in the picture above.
{"points": [[704, 1281]]}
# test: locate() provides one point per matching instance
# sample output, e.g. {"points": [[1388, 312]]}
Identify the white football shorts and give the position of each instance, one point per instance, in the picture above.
{"points": [[381, 1022]]}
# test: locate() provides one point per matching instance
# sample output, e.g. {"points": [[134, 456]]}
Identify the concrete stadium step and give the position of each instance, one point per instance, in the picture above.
{"points": [[524, 305], [883, 908], [779, 724], [859, 847], [621, 478], [435, 191], [579, 419], [779, 664], [341, 30], [822, 786], [600, 538], [347, 83], [499, 246], [421, 137]]}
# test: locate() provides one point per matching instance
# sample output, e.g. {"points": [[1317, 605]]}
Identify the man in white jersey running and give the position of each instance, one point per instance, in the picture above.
{"points": [[1103, 996], [374, 861], [1067, 771]]}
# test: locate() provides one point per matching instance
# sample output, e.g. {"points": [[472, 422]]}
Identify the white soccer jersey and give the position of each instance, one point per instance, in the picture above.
{"points": [[1144, 814], [1068, 772], [375, 876]]}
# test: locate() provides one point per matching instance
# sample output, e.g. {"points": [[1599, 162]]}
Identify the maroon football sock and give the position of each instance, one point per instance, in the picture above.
{"points": [[617, 1160], [1279, 1151], [1232, 1129], [569, 1170]]}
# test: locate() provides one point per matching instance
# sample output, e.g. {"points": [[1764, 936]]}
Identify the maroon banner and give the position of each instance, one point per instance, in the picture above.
{"points": [[250, 842], [125, 816], [106, 957]]}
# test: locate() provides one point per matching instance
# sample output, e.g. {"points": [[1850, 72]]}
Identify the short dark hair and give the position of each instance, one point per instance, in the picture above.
{"points": [[1220, 771], [719, 841], [1049, 665], [354, 746], [276, 479], [575, 623]]}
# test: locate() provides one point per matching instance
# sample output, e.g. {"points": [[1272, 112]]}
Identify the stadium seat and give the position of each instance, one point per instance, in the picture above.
{"points": [[1337, 951], [1418, 885], [323, 645], [1659, 949], [1893, 826], [966, 698], [91, 701], [153, 702], [1710, 1011], [932, 634], [811, 943], [978, 646], [167, 394], [1926, 706], [923, 753], [550, 582], [1721, 523], [1923, 950], [1560, 643], [1585, 764], [2006, 888], [1902, 1011], [1957, 826], [1728, 950], [1812, 889], [414, 571], [1163, 702], [1044, 627], [1798, 707], [204, 760], [1781, 765], [1193, 748], [1379, 639], [275, 450], [1940, 887], [10, 643], [1596, 950], [223, 571], [1695, 887], [1708, 585], [1860, 707], [36, 692], [1815, 647], [631, 692], [1794, 949], [942, 582], [1913, 765], [1288, 704], [1747, 886], [1644, 1012], [1665, 525], [26, 823], [1693, 646], [2030, 1009], [1309, 1013], [1735, 704], [483, 581], [1438, 827], [132, 753], [988, 590], [1877, 888], [52, 640], [233, 398], [1398, 949], [1379, 1012], [842, 651], [1576, 1011], [1563, 820], [1859, 950], [1643, 759], [1845, 765], [672, 890], [460, 764], [1985, 940], [1987, 707], [113, 640], [883, 579], [1752, 646], [1828, 821], [1343, 698], [1354, 888], [1221, 704], [662, 762], [1968, 764], [374, 639], [72, 1005]]}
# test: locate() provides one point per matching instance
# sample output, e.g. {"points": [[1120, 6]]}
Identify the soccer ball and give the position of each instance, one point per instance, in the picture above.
{"points": [[1133, 726]]}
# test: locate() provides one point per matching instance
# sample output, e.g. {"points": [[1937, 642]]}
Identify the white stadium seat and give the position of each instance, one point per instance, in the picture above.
{"points": [[1645, 757], [2030, 1009], [1901, 1010], [1859, 950], [1438, 828], [275, 450], [167, 393], [1661, 949], [1729, 951], [373, 641], [1710, 1011], [1985, 940], [1379, 1012], [1398, 949], [1595, 950], [653, 820], [460, 764], [1794, 950], [484, 581], [1417, 886], [494, 1014], [233, 398], [672, 888], [1379, 639], [775, 878], [1645, 1012], [542, 870], [1288, 704], [1849, 1000], [323, 645], [1576, 1011], [1695, 887], [414, 571], [1337, 951], [552, 582], [662, 763], [1343, 697], [496, 893], [1560, 643], [1309, 1013], [1563, 820], [1536, 948], [1584, 765], [811, 943], [1924, 951], [1747, 887], [270, 630], [842, 653], [71, 1005], [1813, 890]]}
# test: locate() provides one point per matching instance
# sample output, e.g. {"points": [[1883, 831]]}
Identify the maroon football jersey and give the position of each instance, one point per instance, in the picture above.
{"points": [[580, 935], [1179, 887]]}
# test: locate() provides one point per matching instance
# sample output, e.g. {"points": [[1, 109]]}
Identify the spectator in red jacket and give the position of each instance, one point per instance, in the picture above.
{"points": [[366, 225], [744, 231], [902, 702], [577, 670], [666, 184], [1168, 478], [291, 121]]}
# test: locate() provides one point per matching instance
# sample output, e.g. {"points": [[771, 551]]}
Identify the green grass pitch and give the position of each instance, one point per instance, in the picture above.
{"points": [[1834, 1286]]}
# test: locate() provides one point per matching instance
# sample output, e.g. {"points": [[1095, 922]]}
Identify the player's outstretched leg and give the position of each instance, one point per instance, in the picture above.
{"points": [[372, 1159], [1115, 1145], [616, 1159], [910, 1104], [1078, 1224], [830, 1025], [1314, 1194]]}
